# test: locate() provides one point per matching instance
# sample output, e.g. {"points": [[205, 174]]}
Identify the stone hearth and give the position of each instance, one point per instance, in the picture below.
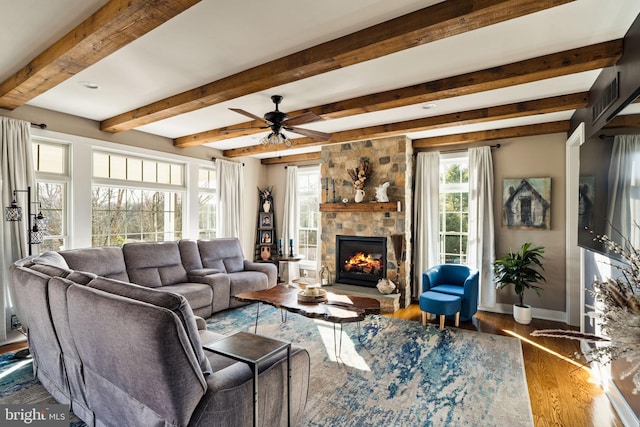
{"points": [[391, 161]]}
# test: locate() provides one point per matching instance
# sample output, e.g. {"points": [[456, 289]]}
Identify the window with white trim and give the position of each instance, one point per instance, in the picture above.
{"points": [[51, 165], [308, 214], [135, 199], [454, 208], [207, 203]]}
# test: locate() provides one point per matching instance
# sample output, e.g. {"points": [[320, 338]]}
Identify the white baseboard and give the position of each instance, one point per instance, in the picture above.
{"points": [[537, 313], [626, 414], [618, 401]]}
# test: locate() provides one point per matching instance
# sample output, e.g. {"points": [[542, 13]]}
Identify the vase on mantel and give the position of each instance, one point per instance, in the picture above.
{"points": [[359, 197]]}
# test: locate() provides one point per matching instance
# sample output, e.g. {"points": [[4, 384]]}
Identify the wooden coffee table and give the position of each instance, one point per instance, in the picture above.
{"points": [[338, 309]]}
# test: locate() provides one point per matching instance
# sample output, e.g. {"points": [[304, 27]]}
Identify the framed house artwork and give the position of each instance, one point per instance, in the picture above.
{"points": [[526, 203], [266, 220]]}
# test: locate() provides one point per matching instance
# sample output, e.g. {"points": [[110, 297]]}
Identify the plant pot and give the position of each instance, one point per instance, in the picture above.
{"points": [[522, 314]]}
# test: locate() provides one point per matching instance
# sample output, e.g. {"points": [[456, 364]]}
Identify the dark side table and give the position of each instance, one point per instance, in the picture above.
{"points": [[253, 349]]}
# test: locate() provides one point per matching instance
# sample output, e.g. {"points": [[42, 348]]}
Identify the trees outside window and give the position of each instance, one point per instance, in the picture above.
{"points": [[207, 203], [135, 199], [309, 214], [51, 165], [454, 208]]}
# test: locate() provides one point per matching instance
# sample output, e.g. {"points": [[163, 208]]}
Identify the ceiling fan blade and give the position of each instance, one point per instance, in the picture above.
{"points": [[242, 129], [311, 133], [248, 114], [303, 118]]}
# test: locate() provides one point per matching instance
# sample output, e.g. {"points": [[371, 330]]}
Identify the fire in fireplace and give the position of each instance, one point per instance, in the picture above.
{"points": [[361, 260]]}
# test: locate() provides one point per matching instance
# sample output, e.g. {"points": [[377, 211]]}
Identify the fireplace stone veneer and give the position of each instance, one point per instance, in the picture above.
{"points": [[391, 161]]}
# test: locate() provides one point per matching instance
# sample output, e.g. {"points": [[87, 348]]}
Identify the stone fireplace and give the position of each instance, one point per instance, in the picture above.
{"points": [[390, 160]]}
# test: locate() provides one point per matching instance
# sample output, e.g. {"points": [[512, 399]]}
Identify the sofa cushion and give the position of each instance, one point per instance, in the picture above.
{"points": [[189, 254], [105, 261], [51, 270], [154, 264], [449, 289], [171, 301], [51, 258], [222, 254], [198, 295]]}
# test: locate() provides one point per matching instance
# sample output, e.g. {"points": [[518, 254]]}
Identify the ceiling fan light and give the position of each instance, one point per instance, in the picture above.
{"points": [[287, 141], [266, 140]]}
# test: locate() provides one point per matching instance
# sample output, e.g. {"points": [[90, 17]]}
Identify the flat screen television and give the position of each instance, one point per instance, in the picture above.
{"points": [[594, 197]]}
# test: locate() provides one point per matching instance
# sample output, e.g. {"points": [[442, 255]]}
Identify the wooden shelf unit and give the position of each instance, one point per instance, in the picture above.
{"points": [[361, 207]]}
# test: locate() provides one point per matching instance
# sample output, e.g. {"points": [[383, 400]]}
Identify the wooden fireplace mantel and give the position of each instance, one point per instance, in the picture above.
{"points": [[361, 207]]}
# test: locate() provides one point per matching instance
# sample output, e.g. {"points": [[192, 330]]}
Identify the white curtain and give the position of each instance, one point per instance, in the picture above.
{"points": [[16, 165], [480, 246], [425, 216], [230, 187], [624, 189], [290, 218]]}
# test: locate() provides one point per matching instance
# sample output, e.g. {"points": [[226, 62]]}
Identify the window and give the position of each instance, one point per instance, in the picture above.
{"points": [[309, 214], [454, 208], [207, 203], [51, 164], [135, 199]]}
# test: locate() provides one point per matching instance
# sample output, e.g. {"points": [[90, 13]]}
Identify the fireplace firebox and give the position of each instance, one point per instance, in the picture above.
{"points": [[360, 260]]}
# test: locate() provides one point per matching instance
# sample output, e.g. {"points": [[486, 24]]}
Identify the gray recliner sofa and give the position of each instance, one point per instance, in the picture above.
{"points": [[208, 273], [128, 355]]}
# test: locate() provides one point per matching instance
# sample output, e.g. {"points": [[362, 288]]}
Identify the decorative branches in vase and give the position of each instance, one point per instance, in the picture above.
{"points": [[359, 177]]}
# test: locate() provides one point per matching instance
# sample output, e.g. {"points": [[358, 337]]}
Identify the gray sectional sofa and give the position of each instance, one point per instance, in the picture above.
{"points": [[127, 354]]}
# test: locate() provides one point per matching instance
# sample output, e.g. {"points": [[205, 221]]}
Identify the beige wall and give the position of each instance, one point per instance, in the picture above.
{"points": [[534, 157], [73, 125]]}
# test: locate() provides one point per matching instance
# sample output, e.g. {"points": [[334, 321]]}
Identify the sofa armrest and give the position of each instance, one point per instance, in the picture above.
{"points": [[221, 286], [264, 267], [193, 275], [200, 323], [429, 279]]}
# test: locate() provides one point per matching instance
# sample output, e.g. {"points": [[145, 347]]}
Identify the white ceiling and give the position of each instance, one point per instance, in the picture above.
{"points": [[215, 39]]}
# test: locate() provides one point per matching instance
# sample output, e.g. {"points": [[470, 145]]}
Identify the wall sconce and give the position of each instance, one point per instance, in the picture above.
{"points": [[37, 227]]}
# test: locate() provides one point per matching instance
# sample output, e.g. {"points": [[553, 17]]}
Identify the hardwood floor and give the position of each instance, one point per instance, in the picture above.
{"points": [[562, 394]]}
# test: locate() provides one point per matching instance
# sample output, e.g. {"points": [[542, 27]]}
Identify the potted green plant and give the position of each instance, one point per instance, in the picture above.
{"points": [[520, 269]]}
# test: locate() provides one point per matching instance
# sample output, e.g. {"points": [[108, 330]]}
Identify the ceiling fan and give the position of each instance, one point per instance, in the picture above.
{"points": [[278, 121]]}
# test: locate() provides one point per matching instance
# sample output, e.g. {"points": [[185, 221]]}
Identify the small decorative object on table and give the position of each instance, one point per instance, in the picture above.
{"points": [[312, 294], [291, 248]]}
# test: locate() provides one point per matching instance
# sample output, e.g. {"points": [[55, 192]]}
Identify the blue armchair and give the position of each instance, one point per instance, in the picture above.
{"points": [[454, 279]]}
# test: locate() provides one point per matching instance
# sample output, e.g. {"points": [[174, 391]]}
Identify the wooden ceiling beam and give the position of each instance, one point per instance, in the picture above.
{"points": [[492, 134], [114, 25], [571, 61], [426, 25], [624, 121], [482, 115], [295, 158]]}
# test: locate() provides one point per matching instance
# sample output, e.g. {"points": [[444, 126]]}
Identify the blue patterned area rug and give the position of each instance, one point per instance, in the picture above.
{"points": [[399, 373]]}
